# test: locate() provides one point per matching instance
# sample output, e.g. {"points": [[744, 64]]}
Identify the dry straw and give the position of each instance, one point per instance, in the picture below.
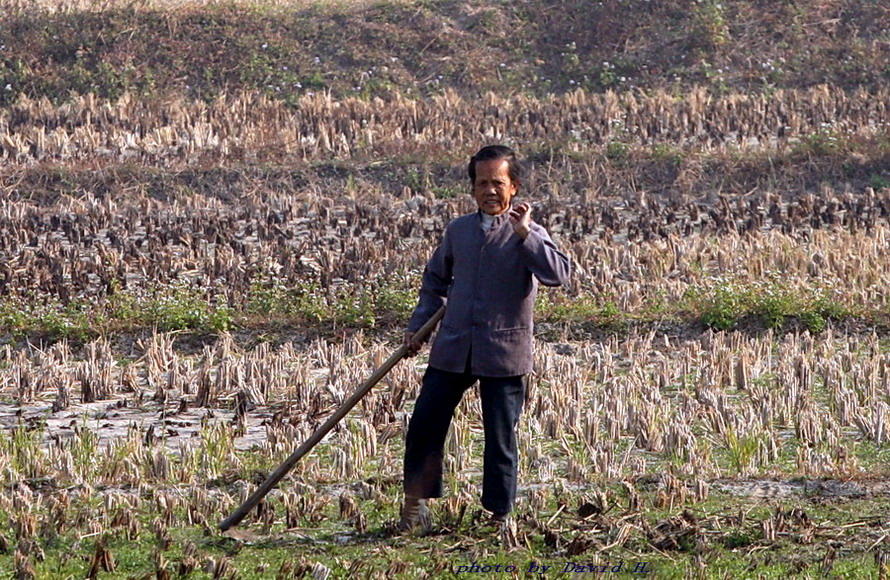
{"points": [[320, 127]]}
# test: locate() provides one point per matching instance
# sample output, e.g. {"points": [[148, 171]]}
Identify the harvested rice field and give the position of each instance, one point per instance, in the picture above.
{"points": [[193, 279]]}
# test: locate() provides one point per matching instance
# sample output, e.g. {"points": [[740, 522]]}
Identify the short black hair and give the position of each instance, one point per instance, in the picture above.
{"points": [[491, 152]]}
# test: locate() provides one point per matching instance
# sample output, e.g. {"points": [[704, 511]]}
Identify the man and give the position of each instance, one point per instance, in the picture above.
{"points": [[487, 268]]}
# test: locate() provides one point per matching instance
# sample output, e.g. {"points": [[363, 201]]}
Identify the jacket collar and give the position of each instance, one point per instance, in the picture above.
{"points": [[499, 220]]}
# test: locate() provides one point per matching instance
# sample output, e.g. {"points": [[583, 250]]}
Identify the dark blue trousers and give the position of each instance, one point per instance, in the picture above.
{"points": [[502, 399]]}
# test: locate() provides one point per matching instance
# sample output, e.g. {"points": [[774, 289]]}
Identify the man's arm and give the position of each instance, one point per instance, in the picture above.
{"points": [[433, 291]]}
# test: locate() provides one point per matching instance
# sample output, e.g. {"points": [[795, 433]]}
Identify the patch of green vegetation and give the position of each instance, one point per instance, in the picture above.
{"points": [[446, 192], [710, 28], [879, 181], [173, 307], [822, 143], [303, 302], [872, 456], [667, 153], [727, 302], [557, 307], [84, 448], [724, 304], [742, 450], [23, 446], [48, 317], [168, 308], [364, 306], [617, 151]]}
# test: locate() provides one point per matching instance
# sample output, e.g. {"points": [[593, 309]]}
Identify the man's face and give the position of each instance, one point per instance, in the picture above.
{"points": [[493, 189]]}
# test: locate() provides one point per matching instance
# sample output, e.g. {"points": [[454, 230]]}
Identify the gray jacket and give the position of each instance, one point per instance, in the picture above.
{"points": [[489, 280]]}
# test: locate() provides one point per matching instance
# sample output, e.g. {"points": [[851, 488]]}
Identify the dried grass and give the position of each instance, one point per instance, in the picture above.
{"points": [[320, 127]]}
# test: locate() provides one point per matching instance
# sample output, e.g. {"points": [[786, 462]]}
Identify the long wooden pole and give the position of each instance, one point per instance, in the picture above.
{"points": [[319, 434]]}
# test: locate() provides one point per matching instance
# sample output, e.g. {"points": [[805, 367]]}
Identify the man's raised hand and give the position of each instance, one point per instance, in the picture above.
{"points": [[521, 219]]}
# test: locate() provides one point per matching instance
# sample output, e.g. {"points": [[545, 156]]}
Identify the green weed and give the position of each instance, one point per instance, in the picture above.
{"points": [[22, 447], [727, 302], [710, 27], [174, 307]]}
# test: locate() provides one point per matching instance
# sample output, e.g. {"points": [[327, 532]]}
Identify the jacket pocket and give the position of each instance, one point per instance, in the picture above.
{"points": [[510, 334]]}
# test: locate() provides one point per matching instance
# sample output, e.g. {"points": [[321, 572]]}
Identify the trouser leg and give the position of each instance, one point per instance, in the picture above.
{"points": [[502, 400], [425, 442]]}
